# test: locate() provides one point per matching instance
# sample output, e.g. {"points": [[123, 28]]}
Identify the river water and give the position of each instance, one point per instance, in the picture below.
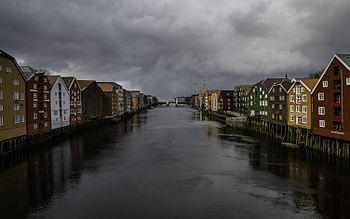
{"points": [[173, 163]]}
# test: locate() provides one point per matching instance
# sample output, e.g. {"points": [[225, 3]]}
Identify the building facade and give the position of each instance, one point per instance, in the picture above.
{"points": [[226, 99], [93, 99], [240, 98], [59, 101], [135, 100], [38, 101], [215, 100], [299, 103], [331, 95], [12, 98], [111, 99], [278, 105], [73, 87], [258, 98]]}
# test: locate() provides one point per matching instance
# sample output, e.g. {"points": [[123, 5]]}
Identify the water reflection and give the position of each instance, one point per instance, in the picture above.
{"points": [[30, 185]]}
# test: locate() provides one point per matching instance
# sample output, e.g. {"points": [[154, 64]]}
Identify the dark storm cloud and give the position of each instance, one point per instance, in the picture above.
{"points": [[164, 47]]}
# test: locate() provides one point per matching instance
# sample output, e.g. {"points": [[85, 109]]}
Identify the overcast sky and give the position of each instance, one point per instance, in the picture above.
{"points": [[163, 47]]}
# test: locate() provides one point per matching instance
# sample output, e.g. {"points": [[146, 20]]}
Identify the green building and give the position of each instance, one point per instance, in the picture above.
{"points": [[258, 104]]}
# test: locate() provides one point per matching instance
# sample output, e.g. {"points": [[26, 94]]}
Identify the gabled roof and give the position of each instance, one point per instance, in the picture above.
{"points": [[83, 84], [114, 84], [68, 81], [309, 83], [106, 87], [269, 82], [6, 55], [52, 79], [285, 83], [343, 58], [28, 72], [226, 93]]}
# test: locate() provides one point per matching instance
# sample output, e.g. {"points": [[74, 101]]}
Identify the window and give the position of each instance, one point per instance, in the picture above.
{"points": [[35, 86], [45, 105], [45, 96], [338, 126], [35, 126], [55, 112], [337, 111], [337, 97], [298, 99], [298, 89], [297, 109], [298, 120], [320, 96], [291, 98], [265, 96], [36, 78], [35, 115], [45, 115], [336, 84], [16, 119], [35, 95], [9, 69], [15, 95], [1, 121], [273, 90], [273, 106], [260, 96], [281, 107], [304, 119], [35, 104], [280, 89], [321, 111], [15, 82], [16, 107], [281, 97], [22, 118], [348, 81], [272, 98], [325, 83], [1, 108], [265, 102], [304, 109], [1, 95], [322, 123], [280, 117], [22, 95], [336, 70], [291, 108], [273, 116], [292, 118], [71, 111], [45, 87], [45, 80], [304, 98]]}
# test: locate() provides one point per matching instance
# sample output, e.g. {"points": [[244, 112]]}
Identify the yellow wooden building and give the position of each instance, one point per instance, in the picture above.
{"points": [[299, 103], [215, 101], [12, 98]]}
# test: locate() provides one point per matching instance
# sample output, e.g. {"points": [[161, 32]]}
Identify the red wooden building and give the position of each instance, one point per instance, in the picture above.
{"points": [[331, 95], [75, 100], [38, 101]]}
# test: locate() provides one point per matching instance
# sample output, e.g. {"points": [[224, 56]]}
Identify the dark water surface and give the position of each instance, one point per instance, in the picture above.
{"points": [[168, 163]]}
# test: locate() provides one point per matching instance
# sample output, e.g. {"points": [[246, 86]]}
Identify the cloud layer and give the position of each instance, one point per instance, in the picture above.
{"points": [[163, 47]]}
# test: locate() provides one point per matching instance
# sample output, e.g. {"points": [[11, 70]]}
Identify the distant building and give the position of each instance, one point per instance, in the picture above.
{"points": [[226, 101], [299, 103], [278, 105], [331, 100], [240, 98], [135, 100], [59, 99], [76, 116], [207, 99], [215, 96], [12, 98], [110, 99], [38, 100], [119, 95], [92, 100], [182, 100], [258, 98], [141, 101]]}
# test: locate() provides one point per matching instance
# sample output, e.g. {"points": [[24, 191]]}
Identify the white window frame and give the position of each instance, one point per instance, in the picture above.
{"points": [[304, 119], [35, 116], [321, 111], [320, 96], [291, 118], [16, 95], [1, 121], [291, 98], [322, 123], [347, 80], [297, 109], [281, 107], [1, 95], [35, 125], [16, 107], [304, 98], [22, 95], [325, 83], [22, 118], [297, 120], [304, 109], [16, 119], [280, 117]]}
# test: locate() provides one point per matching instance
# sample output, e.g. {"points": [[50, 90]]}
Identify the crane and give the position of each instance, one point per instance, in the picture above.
{"points": [[206, 83]]}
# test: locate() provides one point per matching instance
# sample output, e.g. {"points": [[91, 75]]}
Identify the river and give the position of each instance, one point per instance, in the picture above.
{"points": [[173, 163]]}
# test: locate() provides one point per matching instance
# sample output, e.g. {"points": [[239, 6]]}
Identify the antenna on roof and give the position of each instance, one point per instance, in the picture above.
{"points": [[286, 75]]}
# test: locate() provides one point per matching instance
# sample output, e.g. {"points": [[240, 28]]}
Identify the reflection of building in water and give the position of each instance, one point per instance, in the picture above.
{"points": [[77, 153], [61, 164]]}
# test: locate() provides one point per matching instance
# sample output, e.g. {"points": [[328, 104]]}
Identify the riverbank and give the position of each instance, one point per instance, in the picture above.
{"points": [[16, 149], [287, 136]]}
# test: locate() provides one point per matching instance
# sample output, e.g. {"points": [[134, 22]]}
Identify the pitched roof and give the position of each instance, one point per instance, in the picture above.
{"points": [[345, 58], [310, 82], [68, 81], [83, 84], [114, 84], [106, 87], [6, 55], [52, 79], [28, 72], [269, 82], [226, 93]]}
